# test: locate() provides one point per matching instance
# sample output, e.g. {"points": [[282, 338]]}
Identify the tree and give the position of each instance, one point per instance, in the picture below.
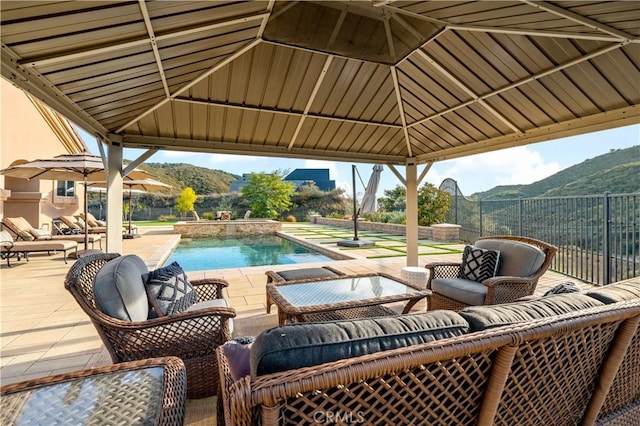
{"points": [[267, 194], [433, 204], [185, 201], [394, 199]]}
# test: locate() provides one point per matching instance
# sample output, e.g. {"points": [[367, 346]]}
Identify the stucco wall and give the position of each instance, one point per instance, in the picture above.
{"points": [[222, 228], [26, 135]]}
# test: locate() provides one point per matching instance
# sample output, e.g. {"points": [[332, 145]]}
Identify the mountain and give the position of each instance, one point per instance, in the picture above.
{"points": [[617, 172], [180, 175]]}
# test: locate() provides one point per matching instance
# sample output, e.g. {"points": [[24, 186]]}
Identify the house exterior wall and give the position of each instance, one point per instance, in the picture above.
{"points": [[30, 131]]}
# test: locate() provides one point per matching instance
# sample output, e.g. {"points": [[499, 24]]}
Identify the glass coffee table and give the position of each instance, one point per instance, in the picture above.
{"points": [[348, 297]]}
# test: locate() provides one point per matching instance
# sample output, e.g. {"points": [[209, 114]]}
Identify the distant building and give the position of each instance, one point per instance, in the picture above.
{"points": [[320, 177], [299, 177]]}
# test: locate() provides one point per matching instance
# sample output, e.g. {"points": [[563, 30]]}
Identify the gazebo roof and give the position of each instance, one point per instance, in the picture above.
{"points": [[376, 81]]}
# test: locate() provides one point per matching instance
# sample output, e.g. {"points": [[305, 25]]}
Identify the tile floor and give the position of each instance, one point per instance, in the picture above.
{"points": [[43, 331]]}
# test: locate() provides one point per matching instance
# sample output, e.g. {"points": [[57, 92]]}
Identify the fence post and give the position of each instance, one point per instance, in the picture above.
{"points": [[606, 237], [480, 207], [520, 202]]}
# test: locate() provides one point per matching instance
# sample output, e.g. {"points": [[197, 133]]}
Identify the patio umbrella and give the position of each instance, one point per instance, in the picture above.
{"points": [[76, 167], [369, 203], [136, 185]]}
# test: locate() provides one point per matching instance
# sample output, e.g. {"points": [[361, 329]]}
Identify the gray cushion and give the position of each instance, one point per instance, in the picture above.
{"points": [[516, 259], [465, 291], [483, 317], [293, 346], [119, 290], [617, 292], [213, 303], [171, 289], [306, 273]]}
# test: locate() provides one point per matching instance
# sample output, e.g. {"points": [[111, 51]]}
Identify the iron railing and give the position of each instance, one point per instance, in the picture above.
{"points": [[597, 236]]}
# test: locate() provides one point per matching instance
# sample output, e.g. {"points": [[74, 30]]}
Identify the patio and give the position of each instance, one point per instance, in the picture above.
{"points": [[53, 335]]}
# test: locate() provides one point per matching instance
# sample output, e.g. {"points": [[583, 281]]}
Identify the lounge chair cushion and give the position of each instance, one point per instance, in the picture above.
{"points": [[306, 273], [516, 259], [292, 346], [479, 264], [119, 290], [616, 292], [21, 227], [484, 317], [70, 221], [170, 290], [466, 291]]}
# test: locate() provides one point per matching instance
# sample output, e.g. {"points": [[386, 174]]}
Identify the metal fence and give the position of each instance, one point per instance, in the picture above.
{"points": [[597, 236]]}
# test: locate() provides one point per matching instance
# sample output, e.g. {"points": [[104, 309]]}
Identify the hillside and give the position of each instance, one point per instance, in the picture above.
{"points": [[180, 175], [617, 171]]}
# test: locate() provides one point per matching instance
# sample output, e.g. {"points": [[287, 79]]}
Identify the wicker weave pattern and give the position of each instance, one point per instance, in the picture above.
{"points": [[561, 369], [499, 289], [142, 392], [192, 336], [626, 386], [543, 372]]}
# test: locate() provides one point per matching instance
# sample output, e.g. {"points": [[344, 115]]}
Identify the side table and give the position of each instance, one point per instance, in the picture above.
{"points": [[417, 276], [146, 392]]}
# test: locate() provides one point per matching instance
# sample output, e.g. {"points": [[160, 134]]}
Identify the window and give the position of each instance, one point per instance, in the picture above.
{"points": [[66, 188]]}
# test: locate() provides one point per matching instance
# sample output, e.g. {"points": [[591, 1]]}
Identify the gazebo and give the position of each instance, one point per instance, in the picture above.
{"points": [[400, 83]]}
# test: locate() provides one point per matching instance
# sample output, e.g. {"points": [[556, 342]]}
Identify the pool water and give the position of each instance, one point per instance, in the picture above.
{"points": [[256, 250]]}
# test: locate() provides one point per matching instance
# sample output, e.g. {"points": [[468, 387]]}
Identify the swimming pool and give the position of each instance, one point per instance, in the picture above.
{"points": [[257, 250]]}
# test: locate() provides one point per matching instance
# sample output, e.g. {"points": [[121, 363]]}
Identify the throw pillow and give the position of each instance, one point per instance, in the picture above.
{"points": [[238, 353], [40, 234], [5, 237], [479, 264], [568, 287], [169, 289]]}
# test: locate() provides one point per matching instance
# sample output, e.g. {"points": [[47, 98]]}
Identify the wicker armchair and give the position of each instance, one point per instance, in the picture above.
{"points": [[192, 336], [503, 288]]}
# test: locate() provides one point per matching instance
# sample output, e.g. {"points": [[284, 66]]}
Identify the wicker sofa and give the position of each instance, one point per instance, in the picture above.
{"points": [[557, 360]]}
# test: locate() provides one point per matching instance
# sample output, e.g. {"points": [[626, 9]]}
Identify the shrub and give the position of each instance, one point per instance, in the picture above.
{"points": [[208, 215], [291, 218], [166, 217]]}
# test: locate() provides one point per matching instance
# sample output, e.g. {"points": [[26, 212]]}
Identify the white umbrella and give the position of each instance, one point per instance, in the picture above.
{"points": [[369, 203], [76, 167], [136, 185]]}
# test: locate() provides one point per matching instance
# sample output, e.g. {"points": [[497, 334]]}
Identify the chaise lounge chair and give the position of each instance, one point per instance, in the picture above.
{"points": [[10, 248], [96, 224], [72, 223], [22, 230]]}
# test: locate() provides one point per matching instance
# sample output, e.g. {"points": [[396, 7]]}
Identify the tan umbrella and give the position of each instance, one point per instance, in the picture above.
{"points": [[136, 185], [77, 167], [369, 203]]}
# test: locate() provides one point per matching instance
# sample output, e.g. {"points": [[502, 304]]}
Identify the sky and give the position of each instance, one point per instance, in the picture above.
{"points": [[512, 166]]}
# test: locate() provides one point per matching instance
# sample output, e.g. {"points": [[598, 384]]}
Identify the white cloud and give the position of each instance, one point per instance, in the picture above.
{"points": [[513, 166]]}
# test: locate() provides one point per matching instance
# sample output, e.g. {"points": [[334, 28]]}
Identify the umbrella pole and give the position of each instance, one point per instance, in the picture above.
{"points": [[355, 204], [129, 231], [86, 211]]}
